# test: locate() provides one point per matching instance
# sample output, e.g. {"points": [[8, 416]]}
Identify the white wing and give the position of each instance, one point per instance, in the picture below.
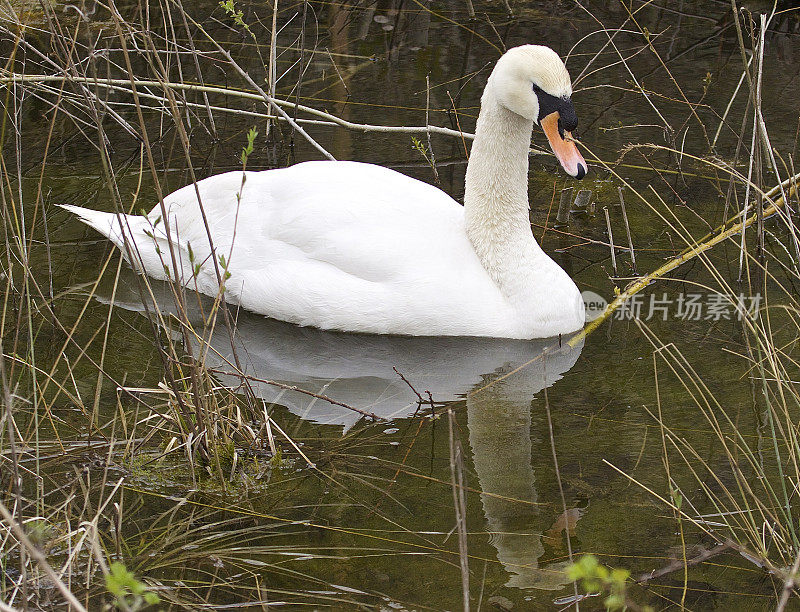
{"points": [[338, 245]]}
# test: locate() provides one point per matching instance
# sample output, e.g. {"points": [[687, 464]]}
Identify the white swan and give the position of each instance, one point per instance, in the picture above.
{"points": [[358, 247]]}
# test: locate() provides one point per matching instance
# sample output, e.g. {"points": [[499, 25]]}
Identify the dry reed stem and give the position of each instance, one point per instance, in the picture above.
{"points": [[611, 241], [459, 504], [236, 93], [692, 252], [558, 477], [39, 557]]}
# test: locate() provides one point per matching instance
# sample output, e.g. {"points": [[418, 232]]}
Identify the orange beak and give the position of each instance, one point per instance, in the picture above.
{"points": [[565, 150]]}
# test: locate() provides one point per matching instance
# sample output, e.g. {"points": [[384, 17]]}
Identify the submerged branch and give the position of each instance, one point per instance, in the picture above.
{"points": [[679, 564]]}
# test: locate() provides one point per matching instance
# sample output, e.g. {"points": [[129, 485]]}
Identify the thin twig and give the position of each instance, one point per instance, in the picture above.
{"points": [[627, 229], [611, 240]]}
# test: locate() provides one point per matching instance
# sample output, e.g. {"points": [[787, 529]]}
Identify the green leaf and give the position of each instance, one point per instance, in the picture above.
{"points": [[250, 146], [614, 602]]}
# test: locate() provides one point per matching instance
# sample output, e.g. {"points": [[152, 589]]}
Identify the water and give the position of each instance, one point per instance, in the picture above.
{"points": [[372, 525]]}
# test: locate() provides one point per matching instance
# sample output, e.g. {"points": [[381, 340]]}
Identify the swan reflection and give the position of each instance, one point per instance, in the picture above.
{"points": [[499, 378]]}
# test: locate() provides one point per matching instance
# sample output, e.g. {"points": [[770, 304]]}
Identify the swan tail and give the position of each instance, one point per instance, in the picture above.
{"points": [[105, 223], [142, 242]]}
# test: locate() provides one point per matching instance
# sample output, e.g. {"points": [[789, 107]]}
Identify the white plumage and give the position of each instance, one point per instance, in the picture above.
{"points": [[358, 247]]}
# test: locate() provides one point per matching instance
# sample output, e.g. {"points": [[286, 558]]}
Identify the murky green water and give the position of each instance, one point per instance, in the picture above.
{"points": [[373, 525]]}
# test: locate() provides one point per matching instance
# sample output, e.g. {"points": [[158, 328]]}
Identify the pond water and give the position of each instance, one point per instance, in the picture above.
{"points": [[373, 524]]}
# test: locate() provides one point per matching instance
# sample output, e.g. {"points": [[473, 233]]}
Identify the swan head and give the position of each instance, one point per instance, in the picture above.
{"points": [[533, 82]]}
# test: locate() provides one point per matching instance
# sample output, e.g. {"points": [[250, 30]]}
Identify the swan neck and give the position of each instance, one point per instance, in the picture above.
{"points": [[496, 186], [496, 194]]}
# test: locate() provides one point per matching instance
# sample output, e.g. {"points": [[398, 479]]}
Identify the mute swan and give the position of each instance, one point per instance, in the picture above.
{"points": [[357, 247]]}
